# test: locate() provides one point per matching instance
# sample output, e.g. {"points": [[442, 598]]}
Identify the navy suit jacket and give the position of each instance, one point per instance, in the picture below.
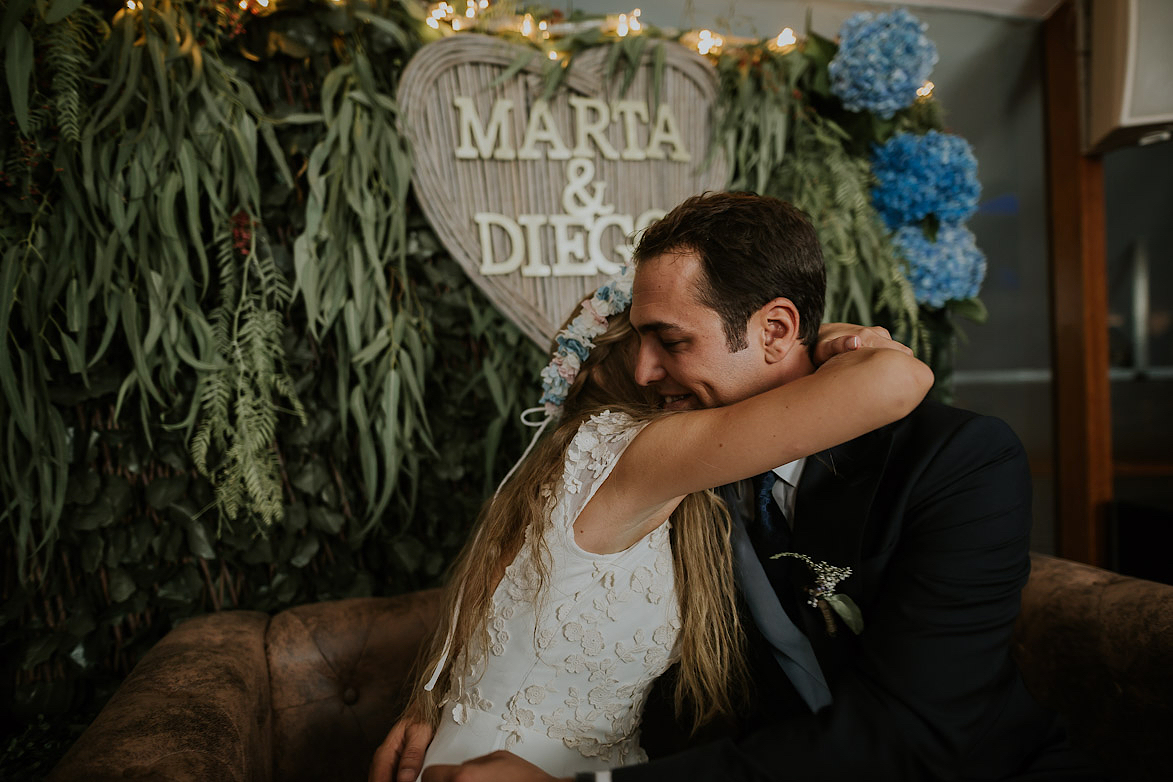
{"points": [[932, 513]]}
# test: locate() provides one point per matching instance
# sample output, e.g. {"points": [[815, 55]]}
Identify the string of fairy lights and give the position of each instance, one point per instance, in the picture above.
{"points": [[480, 15]]}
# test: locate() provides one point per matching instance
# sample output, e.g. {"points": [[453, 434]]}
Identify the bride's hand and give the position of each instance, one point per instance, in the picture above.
{"points": [[401, 755], [836, 338], [499, 766]]}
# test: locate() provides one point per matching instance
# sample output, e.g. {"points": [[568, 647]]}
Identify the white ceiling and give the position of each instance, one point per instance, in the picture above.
{"points": [[1034, 9]]}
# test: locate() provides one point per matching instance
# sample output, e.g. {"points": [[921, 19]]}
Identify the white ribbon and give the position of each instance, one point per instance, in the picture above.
{"points": [[541, 425]]}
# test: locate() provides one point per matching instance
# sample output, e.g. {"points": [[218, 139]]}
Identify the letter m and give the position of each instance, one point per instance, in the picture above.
{"points": [[491, 141]]}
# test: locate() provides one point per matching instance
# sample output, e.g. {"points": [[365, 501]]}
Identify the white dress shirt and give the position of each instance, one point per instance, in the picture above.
{"points": [[785, 490]]}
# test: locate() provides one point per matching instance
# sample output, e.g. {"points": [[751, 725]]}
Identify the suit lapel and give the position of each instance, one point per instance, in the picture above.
{"points": [[833, 503], [790, 648]]}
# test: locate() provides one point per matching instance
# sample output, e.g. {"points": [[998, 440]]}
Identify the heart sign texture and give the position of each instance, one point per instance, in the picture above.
{"points": [[539, 200]]}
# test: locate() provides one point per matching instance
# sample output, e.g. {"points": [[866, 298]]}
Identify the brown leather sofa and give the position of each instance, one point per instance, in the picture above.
{"points": [[309, 693]]}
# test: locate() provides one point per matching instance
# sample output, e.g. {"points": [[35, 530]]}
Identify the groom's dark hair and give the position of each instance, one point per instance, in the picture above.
{"points": [[752, 249]]}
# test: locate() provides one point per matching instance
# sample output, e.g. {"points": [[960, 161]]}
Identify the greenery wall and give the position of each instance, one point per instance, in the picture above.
{"points": [[237, 369]]}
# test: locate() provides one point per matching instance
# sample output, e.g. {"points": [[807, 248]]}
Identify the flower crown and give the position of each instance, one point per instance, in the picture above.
{"points": [[574, 342]]}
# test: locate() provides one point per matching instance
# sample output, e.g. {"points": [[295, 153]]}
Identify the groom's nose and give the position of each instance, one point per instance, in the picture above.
{"points": [[648, 368]]}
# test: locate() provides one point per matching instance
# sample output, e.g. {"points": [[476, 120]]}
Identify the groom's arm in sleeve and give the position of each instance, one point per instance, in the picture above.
{"points": [[933, 674]]}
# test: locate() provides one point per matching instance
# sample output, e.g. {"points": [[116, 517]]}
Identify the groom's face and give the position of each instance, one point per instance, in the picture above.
{"points": [[684, 355]]}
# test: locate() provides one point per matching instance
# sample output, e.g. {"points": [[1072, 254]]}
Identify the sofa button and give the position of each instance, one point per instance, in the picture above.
{"points": [[350, 696]]}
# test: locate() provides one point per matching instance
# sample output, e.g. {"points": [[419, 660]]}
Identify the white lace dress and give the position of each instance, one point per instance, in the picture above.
{"points": [[569, 665]]}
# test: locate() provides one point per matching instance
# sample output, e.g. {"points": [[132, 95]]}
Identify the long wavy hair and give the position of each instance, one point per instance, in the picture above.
{"points": [[711, 681]]}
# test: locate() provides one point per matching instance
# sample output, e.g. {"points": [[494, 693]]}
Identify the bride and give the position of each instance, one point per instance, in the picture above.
{"points": [[606, 558]]}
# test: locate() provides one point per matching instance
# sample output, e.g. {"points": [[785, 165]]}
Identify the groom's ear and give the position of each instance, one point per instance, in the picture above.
{"points": [[779, 324]]}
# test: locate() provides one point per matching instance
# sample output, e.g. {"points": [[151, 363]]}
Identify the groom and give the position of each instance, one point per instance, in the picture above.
{"points": [[931, 514]]}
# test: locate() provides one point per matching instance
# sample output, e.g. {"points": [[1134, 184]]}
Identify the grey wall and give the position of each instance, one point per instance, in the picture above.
{"points": [[989, 79]]}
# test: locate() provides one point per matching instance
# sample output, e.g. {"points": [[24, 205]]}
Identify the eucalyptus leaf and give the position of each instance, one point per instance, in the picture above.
{"points": [[40, 650], [311, 477], [410, 552], [13, 11], [18, 69], [184, 587], [83, 488], [305, 551], [326, 520], [59, 9], [92, 552], [161, 492], [972, 308], [198, 540], [122, 586], [848, 611]]}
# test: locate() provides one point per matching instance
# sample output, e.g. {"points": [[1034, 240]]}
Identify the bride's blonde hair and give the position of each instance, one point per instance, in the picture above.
{"points": [[711, 681]]}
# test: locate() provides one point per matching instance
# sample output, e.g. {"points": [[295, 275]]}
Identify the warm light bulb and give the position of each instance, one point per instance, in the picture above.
{"points": [[431, 20], [131, 5], [787, 37], [553, 55], [542, 25], [926, 90], [456, 24], [470, 12], [708, 42], [263, 3], [243, 5], [483, 4], [633, 21], [621, 27], [527, 25]]}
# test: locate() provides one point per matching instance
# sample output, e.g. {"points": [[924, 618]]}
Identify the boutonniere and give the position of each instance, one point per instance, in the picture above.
{"points": [[824, 597]]}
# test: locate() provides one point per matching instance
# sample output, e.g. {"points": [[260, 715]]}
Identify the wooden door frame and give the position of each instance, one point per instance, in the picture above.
{"points": [[1079, 302]]}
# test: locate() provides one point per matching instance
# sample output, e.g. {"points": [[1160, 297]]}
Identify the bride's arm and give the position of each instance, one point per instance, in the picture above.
{"points": [[850, 395]]}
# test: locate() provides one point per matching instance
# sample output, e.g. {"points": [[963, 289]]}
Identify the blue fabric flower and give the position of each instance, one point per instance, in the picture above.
{"points": [[917, 176], [619, 296], [950, 268], [568, 345], [616, 293], [554, 386], [574, 342], [883, 60]]}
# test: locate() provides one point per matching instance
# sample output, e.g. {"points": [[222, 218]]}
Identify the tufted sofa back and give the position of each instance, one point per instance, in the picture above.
{"points": [[338, 676], [1097, 647]]}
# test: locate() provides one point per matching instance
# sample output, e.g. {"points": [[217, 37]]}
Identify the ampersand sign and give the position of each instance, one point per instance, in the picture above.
{"points": [[538, 200]]}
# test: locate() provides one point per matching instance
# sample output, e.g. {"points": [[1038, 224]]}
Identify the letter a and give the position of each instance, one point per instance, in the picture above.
{"points": [[666, 132], [540, 127]]}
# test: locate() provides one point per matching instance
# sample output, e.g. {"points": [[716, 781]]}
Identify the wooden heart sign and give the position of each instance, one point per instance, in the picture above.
{"points": [[538, 200]]}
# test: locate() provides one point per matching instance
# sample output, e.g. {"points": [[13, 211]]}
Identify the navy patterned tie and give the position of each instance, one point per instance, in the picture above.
{"points": [[770, 532]]}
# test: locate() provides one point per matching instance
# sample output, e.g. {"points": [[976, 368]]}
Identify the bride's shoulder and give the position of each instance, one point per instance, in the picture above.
{"points": [[605, 429]]}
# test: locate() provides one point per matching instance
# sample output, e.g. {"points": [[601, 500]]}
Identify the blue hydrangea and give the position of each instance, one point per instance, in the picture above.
{"points": [[950, 268], [883, 60], [917, 176]]}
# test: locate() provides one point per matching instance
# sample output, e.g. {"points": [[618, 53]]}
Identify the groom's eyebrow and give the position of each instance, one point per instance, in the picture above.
{"points": [[657, 326]]}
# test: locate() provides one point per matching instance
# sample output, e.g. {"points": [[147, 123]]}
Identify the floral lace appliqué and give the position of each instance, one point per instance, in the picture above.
{"points": [[573, 658]]}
